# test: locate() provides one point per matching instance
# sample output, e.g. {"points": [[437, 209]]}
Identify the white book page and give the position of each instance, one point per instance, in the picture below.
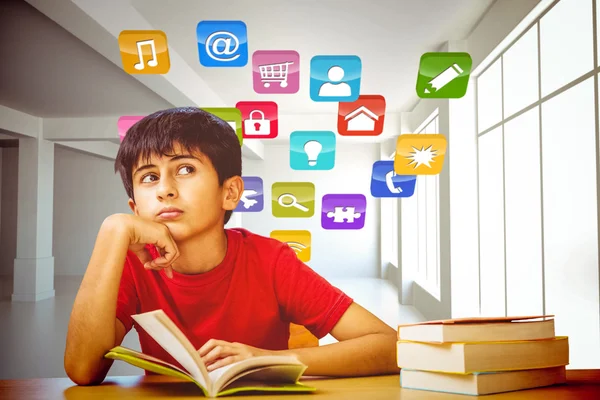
{"points": [[223, 375], [169, 337]]}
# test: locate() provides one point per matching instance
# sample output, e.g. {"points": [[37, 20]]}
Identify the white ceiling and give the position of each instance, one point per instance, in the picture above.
{"points": [[388, 35], [47, 72]]}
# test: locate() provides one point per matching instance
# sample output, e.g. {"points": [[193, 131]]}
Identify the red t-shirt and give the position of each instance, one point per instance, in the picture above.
{"points": [[251, 297]]}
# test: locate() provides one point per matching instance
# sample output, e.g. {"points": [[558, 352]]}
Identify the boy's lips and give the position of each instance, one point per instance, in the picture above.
{"points": [[169, 213]]}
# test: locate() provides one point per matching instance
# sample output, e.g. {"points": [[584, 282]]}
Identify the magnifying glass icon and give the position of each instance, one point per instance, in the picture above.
{"points": [[294, 202]]}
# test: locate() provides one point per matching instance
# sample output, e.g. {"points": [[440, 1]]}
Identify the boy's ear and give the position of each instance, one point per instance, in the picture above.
{"points": [[133, 206], [232, 191]]}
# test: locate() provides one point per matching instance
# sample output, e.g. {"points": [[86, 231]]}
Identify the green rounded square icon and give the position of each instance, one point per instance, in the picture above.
{"points": [[231, 115], [443, 75], [293, 199]]}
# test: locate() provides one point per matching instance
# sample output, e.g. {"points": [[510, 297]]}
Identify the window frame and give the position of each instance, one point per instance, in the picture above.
{"points": [[430, 282]]}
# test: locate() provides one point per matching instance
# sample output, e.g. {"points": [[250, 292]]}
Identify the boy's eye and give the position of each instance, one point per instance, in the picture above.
{"points": [[186, 169], [149, 178]]}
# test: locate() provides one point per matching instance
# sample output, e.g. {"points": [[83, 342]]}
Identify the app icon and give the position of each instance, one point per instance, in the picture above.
{"points": [[335, 78], [443, 75], [252, 199], [420, 154], [144, 52], [222, 43], [314, 150], [232, 116], [299, 241], [126, 122], [386, 183], [293, 199], [276, 71], [343, 211], [260, 119], [363, 117]]}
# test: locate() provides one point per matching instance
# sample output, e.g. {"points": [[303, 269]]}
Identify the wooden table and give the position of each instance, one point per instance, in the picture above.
{"points": [[582, 385]]}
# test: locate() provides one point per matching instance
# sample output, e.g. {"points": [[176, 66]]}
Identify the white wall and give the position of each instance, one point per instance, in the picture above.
{"points": [[334, 253], [8, 227], [86, 190]]}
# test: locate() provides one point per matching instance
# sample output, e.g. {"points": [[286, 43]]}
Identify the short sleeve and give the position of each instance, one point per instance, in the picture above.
{"points": [[306, 298], [127, 299]]}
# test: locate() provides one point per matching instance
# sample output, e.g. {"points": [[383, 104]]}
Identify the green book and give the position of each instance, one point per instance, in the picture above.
{"points": [[255, 374]]}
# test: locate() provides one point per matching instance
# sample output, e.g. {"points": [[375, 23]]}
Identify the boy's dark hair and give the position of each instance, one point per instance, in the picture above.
{"points": [[194, 129]]}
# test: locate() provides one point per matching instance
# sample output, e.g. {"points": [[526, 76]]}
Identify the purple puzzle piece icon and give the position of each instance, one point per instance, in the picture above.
{"points": [[343, 211]]}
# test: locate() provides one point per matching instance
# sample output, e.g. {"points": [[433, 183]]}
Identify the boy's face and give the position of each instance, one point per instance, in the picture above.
{"points": [[182, 191]]}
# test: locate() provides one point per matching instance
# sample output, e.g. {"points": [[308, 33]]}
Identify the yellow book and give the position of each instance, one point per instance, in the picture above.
{"points": [[255, 374], [468, 357]]}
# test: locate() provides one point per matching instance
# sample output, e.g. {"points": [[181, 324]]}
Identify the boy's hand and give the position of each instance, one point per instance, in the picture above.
{"points": [[218, 353], [143, 232]]}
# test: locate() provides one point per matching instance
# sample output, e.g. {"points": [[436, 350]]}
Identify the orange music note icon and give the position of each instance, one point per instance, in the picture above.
{"points": [[144, 52]]}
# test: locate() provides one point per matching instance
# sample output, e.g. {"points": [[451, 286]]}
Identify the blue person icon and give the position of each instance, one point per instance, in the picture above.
{"points": [[335, 78]]}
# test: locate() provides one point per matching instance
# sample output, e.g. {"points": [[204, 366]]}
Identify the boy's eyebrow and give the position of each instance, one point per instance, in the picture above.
{"points": [[175, 158]]}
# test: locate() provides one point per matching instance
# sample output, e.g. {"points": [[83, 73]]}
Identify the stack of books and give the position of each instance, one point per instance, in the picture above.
{"points": [[477, 356]]}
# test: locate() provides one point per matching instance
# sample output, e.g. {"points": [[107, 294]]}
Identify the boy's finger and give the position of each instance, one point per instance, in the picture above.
{"points": [[144, 256], [168, 251], [209, 345], [168, 269], [222, 362]]}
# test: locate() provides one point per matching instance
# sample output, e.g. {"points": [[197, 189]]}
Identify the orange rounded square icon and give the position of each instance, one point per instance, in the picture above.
{"points": [[420, 154], [144, 52], [299, 241]]}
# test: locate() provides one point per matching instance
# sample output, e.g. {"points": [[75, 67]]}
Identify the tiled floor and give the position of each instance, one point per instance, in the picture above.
{"points": [[33, 334]]}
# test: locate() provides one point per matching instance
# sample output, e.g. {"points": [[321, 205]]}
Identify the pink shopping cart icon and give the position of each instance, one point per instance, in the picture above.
{"points": [[276, 71]]}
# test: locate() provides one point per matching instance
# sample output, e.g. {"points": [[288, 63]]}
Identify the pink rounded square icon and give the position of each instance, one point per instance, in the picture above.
{"points": [[276, 71], [125, 123]]}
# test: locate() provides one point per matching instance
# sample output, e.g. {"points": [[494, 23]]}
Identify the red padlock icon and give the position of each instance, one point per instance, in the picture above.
{"points": [[254, 126]]}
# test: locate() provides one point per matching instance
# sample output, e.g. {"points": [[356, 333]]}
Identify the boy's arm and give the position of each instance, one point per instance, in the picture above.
{"points": [[367, 346], [93, 326]]}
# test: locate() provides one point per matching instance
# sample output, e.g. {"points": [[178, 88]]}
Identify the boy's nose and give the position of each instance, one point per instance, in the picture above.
{"points": [[166, 190]]}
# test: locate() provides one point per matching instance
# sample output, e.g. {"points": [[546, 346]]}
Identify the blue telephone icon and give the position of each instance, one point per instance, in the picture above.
{"points": [[386, 183], [390, 183]]}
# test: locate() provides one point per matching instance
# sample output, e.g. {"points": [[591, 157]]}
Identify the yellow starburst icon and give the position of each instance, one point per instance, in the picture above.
{"points": [[420, 154]]}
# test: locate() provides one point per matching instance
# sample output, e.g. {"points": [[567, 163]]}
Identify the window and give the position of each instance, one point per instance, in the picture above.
{"points": [[393, 205], [428, 237], [566, 43], [537, 117]]}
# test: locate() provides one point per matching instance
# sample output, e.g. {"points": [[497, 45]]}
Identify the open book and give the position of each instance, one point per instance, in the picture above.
{"points": [[264, 373]]}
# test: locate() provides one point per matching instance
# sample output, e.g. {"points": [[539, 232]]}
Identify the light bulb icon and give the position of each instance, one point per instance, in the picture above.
{"points": [[312, 148]]}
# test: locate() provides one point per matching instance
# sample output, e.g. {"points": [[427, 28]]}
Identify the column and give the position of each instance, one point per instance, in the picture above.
{"points": [[34, 265]]}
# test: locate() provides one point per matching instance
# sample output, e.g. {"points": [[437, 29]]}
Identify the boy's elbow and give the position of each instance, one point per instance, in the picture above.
{"points": [[82, 373]]}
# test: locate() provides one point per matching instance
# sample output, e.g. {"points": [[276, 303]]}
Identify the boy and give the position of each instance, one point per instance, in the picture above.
{"points": [[232, 292]]}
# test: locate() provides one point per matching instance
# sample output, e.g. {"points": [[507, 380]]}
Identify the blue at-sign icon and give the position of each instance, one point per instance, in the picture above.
{"points": [[385, 182], [312, 150], [222, 43]]}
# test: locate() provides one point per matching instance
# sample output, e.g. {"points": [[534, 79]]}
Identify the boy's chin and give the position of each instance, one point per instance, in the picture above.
{"points": [[180, 232]]}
